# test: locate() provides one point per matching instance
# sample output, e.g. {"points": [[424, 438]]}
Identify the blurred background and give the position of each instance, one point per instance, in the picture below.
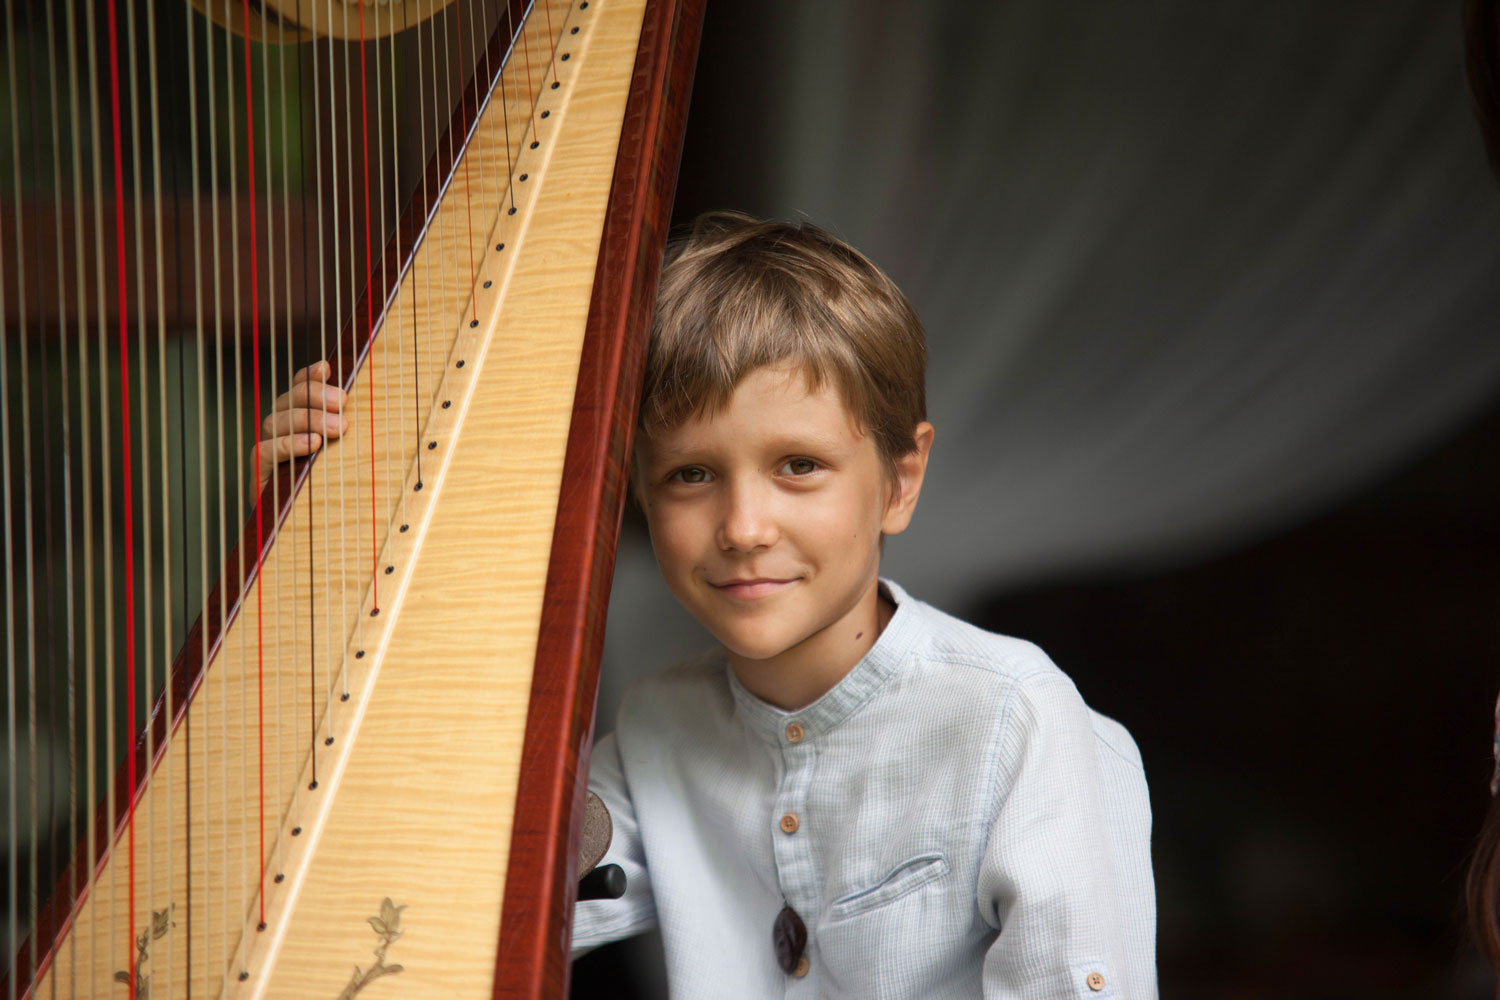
{"points": [[1212, 304]]}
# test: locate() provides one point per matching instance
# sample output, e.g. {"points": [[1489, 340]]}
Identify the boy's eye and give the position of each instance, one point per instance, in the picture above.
{"points": [[691, 474], [799, 466]]}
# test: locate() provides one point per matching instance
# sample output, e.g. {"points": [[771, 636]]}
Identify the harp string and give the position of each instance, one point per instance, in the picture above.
{"points": [[260, 408], [364, 135], [440, 234], [204, 926], [260, 752], [203, 520], [142, 597], [126, 492], [12, 830], [165, 479], [397, 401], [510, 170], [468, 187], [45, 625], [105, 466], [530, 90], [322, 467], [11, 590], [29, 574], [338, 314], [351, 541], [448, 317], [309, 360], [219, 422], [350, 185], [286, 258], [479, 42], [551, 37], [123, 318], [385, 371], [195, 925], [426, 297], [393, 402], [232, 805], [211, 701], [480, 32], [440, 380], [67, 475], [85, 467]]}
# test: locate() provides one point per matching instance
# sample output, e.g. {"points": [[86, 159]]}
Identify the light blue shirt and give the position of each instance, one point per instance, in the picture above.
{"points": [[965, 826]]}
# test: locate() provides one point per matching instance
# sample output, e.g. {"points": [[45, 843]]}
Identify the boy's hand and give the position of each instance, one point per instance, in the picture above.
{"points": [[300, 419]]}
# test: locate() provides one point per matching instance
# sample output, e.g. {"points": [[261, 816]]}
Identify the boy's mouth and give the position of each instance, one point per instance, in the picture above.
{"points": [[752, 588]]}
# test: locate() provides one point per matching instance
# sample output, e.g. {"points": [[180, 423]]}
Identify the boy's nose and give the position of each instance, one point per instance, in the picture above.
{"points": [[747, 522]]}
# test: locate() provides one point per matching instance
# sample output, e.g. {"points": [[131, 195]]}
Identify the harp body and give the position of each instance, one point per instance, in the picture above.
{"points": [[364, 777]]}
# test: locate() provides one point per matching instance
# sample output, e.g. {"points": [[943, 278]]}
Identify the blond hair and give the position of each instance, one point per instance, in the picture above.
{"points": [[738, 294]]}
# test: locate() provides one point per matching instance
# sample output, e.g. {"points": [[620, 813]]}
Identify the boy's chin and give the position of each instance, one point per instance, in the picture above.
{"points": [[754, 648]]}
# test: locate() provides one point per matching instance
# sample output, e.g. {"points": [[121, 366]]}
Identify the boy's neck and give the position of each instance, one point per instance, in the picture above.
{"points": [[799, 676]]}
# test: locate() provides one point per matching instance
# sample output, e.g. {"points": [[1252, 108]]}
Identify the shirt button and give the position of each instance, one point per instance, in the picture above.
{"points": [[802, 966], [794, 733], [789, 823], [1095, 981]]}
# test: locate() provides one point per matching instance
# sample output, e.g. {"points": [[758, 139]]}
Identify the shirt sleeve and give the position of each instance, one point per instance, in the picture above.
{"points": [[601, 921], [1052, 879]]}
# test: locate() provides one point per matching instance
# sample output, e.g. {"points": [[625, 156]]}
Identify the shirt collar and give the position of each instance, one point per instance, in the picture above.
{"points": [[847, 696]]}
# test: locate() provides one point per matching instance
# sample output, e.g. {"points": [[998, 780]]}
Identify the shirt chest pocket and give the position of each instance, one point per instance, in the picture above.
{"points": [[905, 879]]}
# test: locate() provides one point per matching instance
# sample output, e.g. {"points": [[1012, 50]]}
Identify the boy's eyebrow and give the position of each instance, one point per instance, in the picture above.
{"points": [[809, 441], [658, 453]]}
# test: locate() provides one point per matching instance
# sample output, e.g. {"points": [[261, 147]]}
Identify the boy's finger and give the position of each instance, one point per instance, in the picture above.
{"points": [[299, 421], [273, 451], [318, 371], [312, 395]]}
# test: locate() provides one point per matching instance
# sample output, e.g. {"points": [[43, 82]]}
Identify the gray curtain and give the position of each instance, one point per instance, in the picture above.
{"points": [[1189, 271]]}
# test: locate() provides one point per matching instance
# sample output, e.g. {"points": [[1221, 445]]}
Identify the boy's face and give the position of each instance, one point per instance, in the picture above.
{"points": [[766, 518]]}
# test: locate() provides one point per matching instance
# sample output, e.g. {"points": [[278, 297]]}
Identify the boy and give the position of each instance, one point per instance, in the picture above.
{"points": [[857, 796]]}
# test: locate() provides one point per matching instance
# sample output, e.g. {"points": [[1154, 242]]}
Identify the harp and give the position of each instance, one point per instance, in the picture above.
{"points": [[327, 738]]}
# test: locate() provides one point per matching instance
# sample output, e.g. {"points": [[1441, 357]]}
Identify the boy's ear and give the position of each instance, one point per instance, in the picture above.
{"points": [[910, 470]]}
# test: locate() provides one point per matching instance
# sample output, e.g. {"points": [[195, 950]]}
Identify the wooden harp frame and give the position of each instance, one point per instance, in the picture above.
{"points": [[541, 888]]}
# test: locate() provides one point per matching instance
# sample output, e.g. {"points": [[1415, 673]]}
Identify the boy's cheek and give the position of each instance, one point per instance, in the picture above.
{"points": [[672, 559]]}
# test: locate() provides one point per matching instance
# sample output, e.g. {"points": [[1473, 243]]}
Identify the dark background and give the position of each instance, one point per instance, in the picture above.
{"points": [[1311, 710], [1309, 673]]}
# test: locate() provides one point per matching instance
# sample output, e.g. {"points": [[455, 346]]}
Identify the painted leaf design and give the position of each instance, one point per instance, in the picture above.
{"points": [[160, 923], [388, 926], [390, 914], [122, 977]]}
